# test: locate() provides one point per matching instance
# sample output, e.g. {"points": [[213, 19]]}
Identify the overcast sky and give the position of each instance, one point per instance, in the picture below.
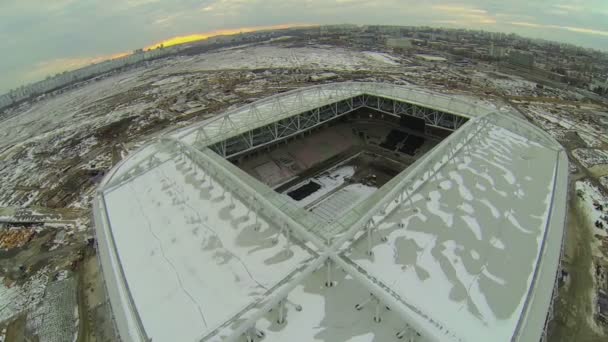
{"points": [[43, 37]]}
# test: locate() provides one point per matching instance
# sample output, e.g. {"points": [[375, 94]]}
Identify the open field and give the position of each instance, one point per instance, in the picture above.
{"points": [[54, 151]]}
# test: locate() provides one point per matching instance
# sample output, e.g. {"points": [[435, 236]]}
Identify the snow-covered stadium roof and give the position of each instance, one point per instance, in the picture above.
{"points": [[465, 243]]}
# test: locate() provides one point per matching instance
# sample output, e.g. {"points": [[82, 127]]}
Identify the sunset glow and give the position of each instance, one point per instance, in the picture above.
{"points": [[202, 36], [54, 66]]}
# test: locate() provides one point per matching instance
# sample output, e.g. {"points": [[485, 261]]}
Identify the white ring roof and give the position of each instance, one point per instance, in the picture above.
{"points": [[466, 242]]}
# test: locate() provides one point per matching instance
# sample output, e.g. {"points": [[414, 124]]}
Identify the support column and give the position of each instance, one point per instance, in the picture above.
{"points": [[361, 305], [377, 317], [452, 155], [252, 333], [467, 149], [256, 225], [296, 307], [281, 318], [435, 177], [369, 238], [406, 333], [288, 237], [279, 233], [328, 281], [409, 197], [249, 205]]}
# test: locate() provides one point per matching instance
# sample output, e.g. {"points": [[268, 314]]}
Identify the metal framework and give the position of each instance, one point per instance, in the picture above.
{"points": [[387, 98], [299, 123]]}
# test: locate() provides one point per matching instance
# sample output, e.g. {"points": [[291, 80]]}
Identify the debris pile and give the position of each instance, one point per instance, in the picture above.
{"points": [[15, 237]]}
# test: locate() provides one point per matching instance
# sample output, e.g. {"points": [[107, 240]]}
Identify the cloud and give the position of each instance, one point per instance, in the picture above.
{"points": [[526, 24], [227, 6], [52, 67], [464, 15], [128, 4], [569, 7], [585, 30], [67, 32], [460, 10], [166, 20], [351, 1], [565, 9], [582, 30], [447, 22], [41, 6], [557, 12], [201, 36]]}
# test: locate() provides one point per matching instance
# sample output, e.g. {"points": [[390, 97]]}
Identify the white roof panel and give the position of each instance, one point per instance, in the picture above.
{"points": [[191, 261], [463, 249], [465, 242]]}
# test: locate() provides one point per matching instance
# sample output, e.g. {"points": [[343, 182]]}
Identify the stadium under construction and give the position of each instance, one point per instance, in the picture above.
{"points": [[338, 212]]}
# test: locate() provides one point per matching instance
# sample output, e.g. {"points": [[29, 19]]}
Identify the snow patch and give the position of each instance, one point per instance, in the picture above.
{"points": [[434, 207]]}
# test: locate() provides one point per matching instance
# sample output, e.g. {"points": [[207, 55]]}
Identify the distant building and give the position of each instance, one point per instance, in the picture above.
{"points": [[461, 51], [498, 51], [399, 43], [599, 86], [68, 77], [521, 58], [5, 101], [337, 29], [390, 30]]}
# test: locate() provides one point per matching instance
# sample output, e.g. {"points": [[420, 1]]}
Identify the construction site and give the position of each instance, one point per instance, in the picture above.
{"points": [[357, 153], [324, 160], [272, 198]]}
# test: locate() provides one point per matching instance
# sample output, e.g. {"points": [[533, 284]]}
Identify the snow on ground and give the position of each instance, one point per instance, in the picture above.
{"points": [[168, 80], [564, 122], [56, 317], [591, 195], [604, 181], [76, 107], [588, 197], [185, 249], [590, 157], [592, 140], [559, 120], [382, 57], [38, 139], [17, 298], [510, 84], [431, 58], [258, 57], [329, 181], [455, 263], [328, 314]]}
